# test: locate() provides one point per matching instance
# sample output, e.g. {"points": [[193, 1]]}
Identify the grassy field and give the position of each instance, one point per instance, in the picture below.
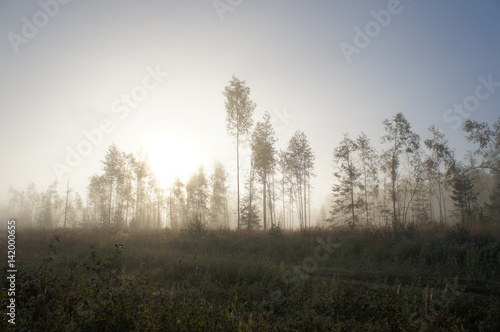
{"points": [[431, 278]]}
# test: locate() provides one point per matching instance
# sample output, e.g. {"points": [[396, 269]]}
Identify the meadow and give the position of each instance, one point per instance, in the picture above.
{"points": [[427, 278]]}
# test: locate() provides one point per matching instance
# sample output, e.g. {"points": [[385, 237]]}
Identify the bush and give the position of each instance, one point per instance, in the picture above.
{"points": [[275, 230], [195, 227]]}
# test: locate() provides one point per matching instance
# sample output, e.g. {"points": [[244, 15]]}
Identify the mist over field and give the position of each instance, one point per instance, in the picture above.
{"points": [[238, 165]]}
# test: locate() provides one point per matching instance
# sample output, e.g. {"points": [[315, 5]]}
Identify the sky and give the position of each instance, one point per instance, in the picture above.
{"points": [[80, 75]]}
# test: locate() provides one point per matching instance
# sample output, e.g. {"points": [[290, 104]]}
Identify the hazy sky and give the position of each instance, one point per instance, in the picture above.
{"points": [[324, 67]]}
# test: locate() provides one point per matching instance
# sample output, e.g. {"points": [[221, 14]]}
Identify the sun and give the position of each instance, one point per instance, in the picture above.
{"points": [[171, 157]]}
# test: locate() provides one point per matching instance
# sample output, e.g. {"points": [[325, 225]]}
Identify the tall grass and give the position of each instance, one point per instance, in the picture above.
{"points": [[426, 278]]}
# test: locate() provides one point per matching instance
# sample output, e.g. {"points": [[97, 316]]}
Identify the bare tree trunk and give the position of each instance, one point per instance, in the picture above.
{"points": [[171, 212], [394, 178], [270, 201], [66, 208], [352, 207], [226, 214], [430, 198], [250, 194], [273, 205], [110, 200], [366, 198], [308, 203], [299, 203], [291, 208], [264, 201], [138, 188], [305, 200], [158, 211], [283, 201], [238, 171]]}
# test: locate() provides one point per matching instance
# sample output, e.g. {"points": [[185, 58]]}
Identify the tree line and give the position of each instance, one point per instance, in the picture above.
{"points": [[408, 182], [127, 192]]}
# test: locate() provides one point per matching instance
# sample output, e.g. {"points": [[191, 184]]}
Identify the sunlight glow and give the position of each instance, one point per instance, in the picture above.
{"points": [[171, 157]]}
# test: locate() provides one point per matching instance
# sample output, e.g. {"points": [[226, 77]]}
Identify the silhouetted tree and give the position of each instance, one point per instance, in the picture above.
{"points": [[141, 171], [111, 164], [300, 164], [438, 164], [177, 202], [249, 213], [463, 194], [197, 196], [368, 161], [51, 203], [66, 207], [488, 139], [219, 216], [264, 157], [348, 176], [33, 202], [239, 111], [401, 139], [285, 187], [98, 198]]}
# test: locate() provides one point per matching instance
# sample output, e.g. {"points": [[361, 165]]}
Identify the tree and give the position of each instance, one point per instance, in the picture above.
{"points": [[368, 167], [239, 111], [197, 196], [463, 194], [322, 216], [51, 202], [154, 202], [98, 198], [177, 203], [299, 159], [249, 213], [488, 140], [15, 202], [489, 149], [493, 207], [218, 199], [126, 191], [46, 218], [112, 164], [66, 206], [286, 189], [33, 202], [437, 166], [77, 211], [401, 139], [264, 157], [412, 184], [348, 176], [142, 170]]}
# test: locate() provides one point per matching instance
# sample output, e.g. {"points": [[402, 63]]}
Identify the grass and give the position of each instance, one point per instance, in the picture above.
{"points": [[431, 278]]}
